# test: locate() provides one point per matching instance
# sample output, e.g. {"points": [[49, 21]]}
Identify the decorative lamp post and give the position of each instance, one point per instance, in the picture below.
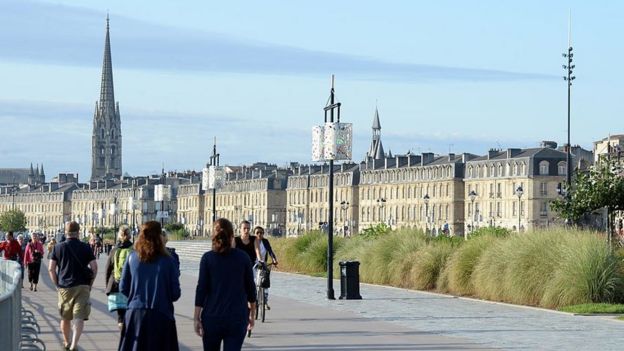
{"points": [[331, 142], [472, 195], [382, 206], [426, 200], [344, 205], [519, 192]]}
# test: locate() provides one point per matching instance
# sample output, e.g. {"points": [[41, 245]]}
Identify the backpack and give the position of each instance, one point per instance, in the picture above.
{"points": [[120, 259], [265, 279]]}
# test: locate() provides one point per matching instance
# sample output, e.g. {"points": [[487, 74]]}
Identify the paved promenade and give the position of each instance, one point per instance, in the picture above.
{"points": [[386, 319]]}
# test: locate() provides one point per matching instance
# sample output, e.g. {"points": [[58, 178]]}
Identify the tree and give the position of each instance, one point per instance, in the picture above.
{"points": [[601, 187], [13, 220]]}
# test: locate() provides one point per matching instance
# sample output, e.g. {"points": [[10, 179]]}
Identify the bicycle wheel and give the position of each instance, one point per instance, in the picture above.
{"points": [[263, 306], [260, 301]]}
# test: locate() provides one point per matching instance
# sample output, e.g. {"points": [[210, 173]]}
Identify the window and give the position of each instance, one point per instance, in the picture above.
{"points": [[544, 209], [561, 168], [543, 189], [543, 168]]}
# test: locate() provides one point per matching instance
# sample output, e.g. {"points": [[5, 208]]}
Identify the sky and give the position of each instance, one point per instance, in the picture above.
{"points": [[446, 76]]}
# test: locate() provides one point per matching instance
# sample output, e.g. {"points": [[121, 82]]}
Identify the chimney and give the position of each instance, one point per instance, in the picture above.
{"points": [[426, 158], [512, 152], [385, 163], [451, 157], [492, 153]]}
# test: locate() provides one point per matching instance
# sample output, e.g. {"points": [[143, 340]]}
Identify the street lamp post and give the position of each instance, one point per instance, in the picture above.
{"points": [[472, 195], [344, 205], [382, 206], [519, 192], [214, 161], [426, 200]]}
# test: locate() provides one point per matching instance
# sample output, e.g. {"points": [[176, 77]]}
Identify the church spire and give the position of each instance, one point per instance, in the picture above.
{"points": [[107, 94], [376, 150]]}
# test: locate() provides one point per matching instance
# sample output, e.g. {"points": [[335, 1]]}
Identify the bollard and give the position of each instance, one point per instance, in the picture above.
{"points": [[350, 280]]}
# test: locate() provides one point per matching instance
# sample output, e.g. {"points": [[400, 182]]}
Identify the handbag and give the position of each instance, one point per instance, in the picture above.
{"points": [[117, 301]]}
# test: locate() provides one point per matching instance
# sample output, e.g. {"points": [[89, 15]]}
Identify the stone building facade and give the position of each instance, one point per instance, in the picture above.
{"points": [[494, 180], [307, 194], [414, 191]]}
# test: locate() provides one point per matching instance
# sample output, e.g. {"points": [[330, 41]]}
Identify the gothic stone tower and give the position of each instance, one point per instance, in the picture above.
{"points": [[106, 139]]}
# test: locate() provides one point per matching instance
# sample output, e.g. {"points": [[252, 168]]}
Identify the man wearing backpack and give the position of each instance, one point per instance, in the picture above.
{"points": [[114, 266]]}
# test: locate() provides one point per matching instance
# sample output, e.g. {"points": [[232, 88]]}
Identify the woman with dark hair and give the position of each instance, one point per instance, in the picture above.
{"points": [[150, 280], [263, 251], [225, 297]]}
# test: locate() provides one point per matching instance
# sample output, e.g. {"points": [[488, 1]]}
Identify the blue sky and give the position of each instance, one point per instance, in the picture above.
{"points": [[446, 75]]}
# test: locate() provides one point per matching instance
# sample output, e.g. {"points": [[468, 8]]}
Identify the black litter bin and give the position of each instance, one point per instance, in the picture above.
{"points": [[350, 280]]}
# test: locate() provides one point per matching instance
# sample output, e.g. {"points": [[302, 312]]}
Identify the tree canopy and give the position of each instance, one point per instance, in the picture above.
{"points": [[13, 220]]}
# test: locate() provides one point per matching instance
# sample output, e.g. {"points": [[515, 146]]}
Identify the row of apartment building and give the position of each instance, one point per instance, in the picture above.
{"points": [[460, 192]]}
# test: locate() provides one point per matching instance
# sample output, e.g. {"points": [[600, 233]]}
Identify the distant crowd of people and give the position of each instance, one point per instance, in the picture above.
{"points": [[142, 283]]}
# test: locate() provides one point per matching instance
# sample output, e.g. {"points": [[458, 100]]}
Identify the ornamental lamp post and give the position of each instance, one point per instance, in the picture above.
{"points": [[519, 192], [344, 205], [382, 206], [331, 142], [472, 195], [426, 200]]}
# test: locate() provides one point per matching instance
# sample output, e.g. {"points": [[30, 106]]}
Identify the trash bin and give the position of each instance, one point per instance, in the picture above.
{"points": [[350, 280]]}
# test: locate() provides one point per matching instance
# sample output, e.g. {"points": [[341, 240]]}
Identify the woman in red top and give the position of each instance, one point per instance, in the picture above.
{"points": [[32, 260], [12, 249]]}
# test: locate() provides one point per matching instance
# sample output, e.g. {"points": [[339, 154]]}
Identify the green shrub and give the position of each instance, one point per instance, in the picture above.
{"points": [[491, 231], [375, 231]]}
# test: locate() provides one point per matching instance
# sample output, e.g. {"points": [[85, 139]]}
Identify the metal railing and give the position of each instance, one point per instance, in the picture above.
{"points": [[21, 330]]}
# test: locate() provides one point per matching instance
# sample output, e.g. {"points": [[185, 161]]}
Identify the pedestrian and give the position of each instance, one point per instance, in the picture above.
{"points": [[114, 265], [246, 242], [73, 269], [51, 245], [225, 297], [263, 251], [150, 280], [170, 250], [22, 244], [32, 260], [11, 248]]}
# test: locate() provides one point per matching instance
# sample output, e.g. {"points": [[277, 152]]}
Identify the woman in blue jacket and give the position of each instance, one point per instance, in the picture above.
{"points": [[150, 280], [226, 294]]}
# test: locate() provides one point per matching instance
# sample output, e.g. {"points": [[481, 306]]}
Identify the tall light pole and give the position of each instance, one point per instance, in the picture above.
{"points": [[329, 117], [214, 161], [382, 214], [426, 200], [569, 78], [344, 205], [472, 195], [519, 192]]}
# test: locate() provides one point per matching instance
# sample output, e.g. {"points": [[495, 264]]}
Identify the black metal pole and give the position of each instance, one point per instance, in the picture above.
{"points": [[519, 211], [162, 211], [330, 219]]}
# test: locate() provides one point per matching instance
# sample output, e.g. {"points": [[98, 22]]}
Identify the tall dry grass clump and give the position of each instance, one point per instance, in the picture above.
{"points": [[589, 271], [463, 261], [428, 264]]}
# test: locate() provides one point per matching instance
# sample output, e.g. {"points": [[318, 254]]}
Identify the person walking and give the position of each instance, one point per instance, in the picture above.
{"points": [[73, 269], [51, 245], [263, 251], [32, 260], [225, 297], [114, 266], [11, 249], [150, 280], [246, 242], [22, 244]]}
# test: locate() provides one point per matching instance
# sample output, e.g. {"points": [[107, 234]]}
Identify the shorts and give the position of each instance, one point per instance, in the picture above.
{"points": [[73, 303]]}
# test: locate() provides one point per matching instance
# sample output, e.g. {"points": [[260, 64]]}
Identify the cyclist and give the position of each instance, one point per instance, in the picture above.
{"points": [[263, 251]]}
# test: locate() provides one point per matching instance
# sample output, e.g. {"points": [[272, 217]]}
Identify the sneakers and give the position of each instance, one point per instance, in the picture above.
{"points": [[120, 326]]}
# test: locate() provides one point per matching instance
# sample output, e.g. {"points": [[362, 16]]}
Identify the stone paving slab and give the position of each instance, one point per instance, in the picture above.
{"points": [[291, 325]]}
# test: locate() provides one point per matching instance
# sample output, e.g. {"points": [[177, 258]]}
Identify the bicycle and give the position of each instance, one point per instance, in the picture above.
{"points": [[263, 282]]}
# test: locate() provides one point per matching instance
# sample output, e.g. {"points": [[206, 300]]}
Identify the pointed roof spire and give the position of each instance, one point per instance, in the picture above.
{"points": [[37, 171], [42, 173], [32, 171], [376, 124], [107, 94]]}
